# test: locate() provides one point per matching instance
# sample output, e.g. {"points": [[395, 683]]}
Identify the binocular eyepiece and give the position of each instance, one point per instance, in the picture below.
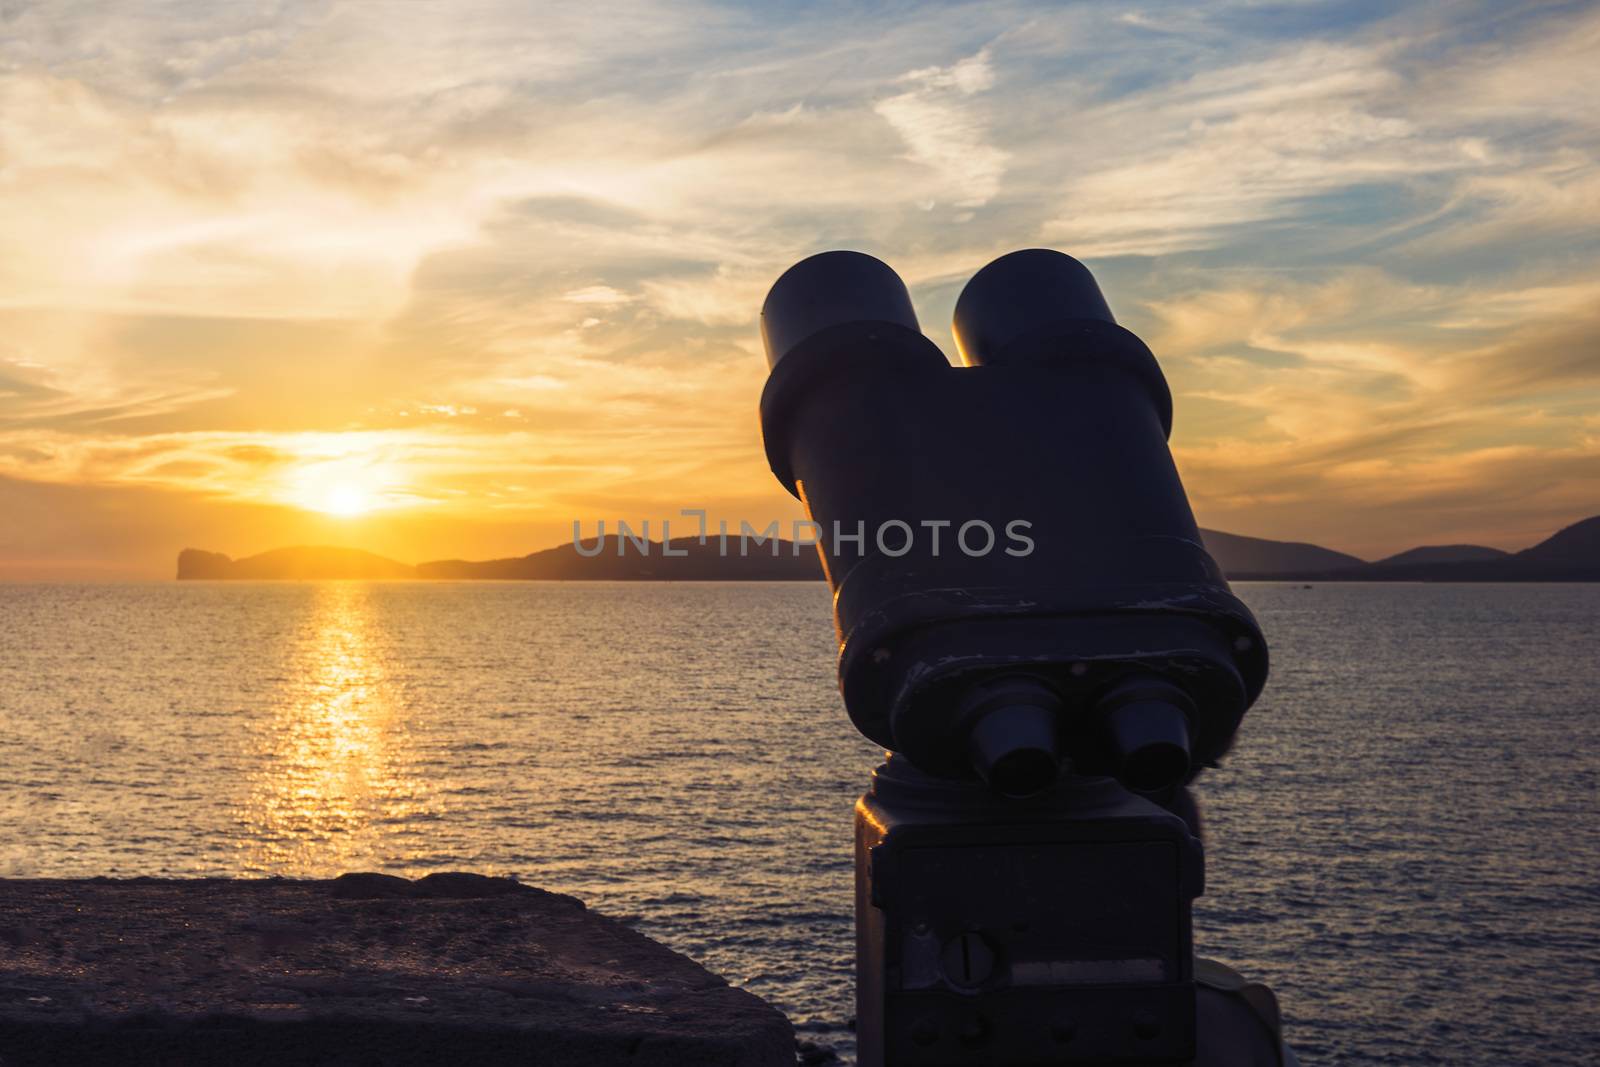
{"points": [[1019, 584]]}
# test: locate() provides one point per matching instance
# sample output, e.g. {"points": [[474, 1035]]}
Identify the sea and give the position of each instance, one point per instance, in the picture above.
{"points": [[1404, 843]]}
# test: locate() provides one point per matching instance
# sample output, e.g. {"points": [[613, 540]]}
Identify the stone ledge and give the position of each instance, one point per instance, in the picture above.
{"points": [[362, 969]]}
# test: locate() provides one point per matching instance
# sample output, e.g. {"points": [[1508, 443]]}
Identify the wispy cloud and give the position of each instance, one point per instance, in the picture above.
{"points": [[942, 130]]}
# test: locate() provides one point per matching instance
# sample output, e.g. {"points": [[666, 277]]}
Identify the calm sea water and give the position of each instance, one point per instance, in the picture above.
{"points": [[1405, 843]]}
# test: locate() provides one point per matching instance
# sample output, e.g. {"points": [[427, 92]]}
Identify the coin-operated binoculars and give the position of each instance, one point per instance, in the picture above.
{"points": [[1027, 618]]}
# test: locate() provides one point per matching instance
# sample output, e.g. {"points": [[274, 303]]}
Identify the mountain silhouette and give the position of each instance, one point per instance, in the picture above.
{"points": [[1240, 556], [1569, 555], [1575, 545], [698, 562], [1572, 554], [1443, 554], [316, 561]]}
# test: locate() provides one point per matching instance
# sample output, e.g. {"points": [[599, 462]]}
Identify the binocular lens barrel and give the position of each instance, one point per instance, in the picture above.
{"points": [[831, 289], [1147, 722], [1021, 294], [1014, 742]]}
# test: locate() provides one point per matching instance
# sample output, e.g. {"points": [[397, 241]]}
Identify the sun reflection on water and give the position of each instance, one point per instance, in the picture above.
{"points": [[331, 790]]}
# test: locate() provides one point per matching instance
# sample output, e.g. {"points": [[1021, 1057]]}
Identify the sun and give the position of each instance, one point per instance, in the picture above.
{"points": [[347, 486], [346, 499]]}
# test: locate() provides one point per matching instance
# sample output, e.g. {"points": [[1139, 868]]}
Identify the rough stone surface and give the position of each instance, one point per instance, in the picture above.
{"points": [[363, 969]]}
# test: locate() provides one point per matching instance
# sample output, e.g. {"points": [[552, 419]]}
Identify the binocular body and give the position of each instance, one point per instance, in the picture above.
{"points": [[1053, 930], [1021, 596], [1019, 584]]}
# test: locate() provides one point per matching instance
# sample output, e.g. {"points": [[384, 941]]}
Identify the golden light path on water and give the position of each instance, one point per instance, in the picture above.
{"points": [[331, 779]]}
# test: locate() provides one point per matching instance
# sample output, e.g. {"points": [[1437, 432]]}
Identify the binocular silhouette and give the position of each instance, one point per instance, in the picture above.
{"points": [[1019, 585]]}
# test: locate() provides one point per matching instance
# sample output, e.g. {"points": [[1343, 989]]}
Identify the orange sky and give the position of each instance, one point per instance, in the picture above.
{"points": [[438, 280]]}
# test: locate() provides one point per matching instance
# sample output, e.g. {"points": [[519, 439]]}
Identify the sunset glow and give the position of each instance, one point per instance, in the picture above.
{"points": [[346, 499], [502, 281]]}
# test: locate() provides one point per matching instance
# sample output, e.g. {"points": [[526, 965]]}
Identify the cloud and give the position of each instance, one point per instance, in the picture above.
{"points": [[1559, 199], [1430, 411], [724, 297], [1195, 162], [599, 295], [936, 120]]}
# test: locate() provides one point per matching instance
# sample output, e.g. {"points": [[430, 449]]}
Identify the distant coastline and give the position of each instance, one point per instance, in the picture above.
{"points": [[697, 563], [1570, 555]]}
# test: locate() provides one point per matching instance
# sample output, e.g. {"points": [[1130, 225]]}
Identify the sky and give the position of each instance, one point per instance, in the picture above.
{"points": [[437, 280]]}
